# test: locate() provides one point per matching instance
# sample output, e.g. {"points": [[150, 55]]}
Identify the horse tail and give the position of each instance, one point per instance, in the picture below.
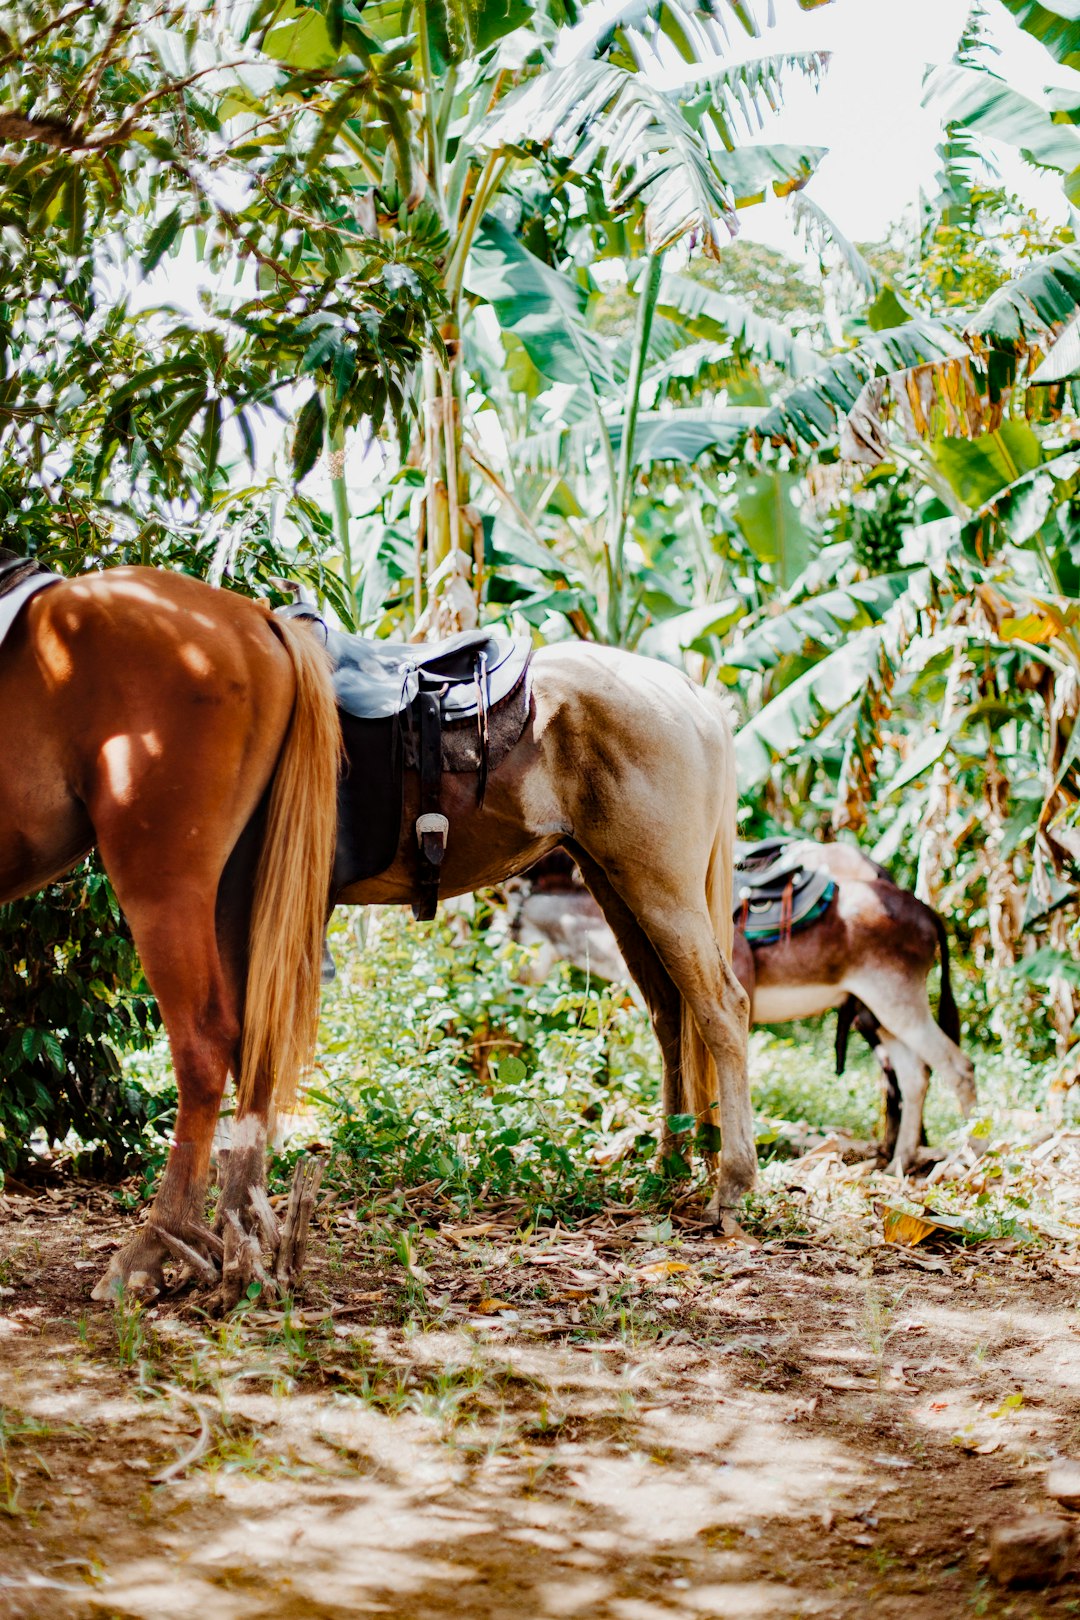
{"points": [[699, 1078], [292, 884], [948, 1015]]}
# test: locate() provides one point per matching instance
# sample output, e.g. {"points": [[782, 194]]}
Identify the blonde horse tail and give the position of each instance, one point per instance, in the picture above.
{"points": [[292, 885], [699, 1078]]}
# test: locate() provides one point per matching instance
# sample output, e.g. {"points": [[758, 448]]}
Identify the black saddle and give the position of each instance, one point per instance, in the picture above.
{"points": [[470, 671], [457, 705], [774, 892]]}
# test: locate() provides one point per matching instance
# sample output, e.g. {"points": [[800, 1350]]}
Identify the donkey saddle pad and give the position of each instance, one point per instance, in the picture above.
{"points": [[774, 892], [458, 705]]}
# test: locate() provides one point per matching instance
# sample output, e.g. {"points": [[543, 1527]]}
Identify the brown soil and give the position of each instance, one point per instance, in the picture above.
{"points": [[622, 1422]]}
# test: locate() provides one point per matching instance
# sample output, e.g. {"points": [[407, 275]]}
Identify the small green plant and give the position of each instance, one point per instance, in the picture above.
{"points": [[129, 1329]]}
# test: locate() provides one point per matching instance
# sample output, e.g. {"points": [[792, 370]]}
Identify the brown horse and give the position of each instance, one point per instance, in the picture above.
{"points": [[150, 714], [194, 740], [869, 955]]}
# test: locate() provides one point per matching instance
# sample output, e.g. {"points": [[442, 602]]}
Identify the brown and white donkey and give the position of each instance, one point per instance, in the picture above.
{"points": [[868, 952]]}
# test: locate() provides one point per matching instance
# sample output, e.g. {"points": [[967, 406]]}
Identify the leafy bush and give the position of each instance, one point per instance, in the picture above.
{"points": [[72, 1002], [440, 1067]]}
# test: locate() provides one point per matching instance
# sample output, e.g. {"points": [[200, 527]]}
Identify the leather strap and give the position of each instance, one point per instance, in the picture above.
{"points": [[432, 843]]}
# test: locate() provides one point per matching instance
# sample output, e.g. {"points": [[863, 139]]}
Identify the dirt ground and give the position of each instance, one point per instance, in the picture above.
{"points": [[630, 1421]]}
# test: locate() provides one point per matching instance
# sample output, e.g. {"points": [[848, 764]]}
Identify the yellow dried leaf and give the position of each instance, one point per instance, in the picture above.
{"points": [[663, 1268], [900, 1227], [491, 1307]]}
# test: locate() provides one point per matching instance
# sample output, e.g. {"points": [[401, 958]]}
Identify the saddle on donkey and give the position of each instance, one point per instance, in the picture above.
{"points": [[457, 705], [774, 893]]}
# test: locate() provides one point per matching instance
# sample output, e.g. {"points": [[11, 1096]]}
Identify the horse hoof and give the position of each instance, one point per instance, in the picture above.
{"points": [[122, 1287]]}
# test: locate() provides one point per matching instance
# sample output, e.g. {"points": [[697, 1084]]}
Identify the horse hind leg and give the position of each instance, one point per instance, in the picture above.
{"points": [[661, 996], [177, 939], [714, 1016]]}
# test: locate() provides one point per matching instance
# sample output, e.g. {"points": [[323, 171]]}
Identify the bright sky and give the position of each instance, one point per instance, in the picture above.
{"points": [[881, 140]]}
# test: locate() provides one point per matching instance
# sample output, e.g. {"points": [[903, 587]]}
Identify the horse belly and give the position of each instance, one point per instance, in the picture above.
{"points": [[779, 1003], [44, 829]]}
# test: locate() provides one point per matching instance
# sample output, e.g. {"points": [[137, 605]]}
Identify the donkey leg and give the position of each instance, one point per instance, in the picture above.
{"points": [[912, 1079], [899, 1002], [661, 996], [177, 942]]}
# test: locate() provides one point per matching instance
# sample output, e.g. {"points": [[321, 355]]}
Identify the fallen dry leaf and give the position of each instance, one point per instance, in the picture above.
{"points": [[491, 1307], [663, 1268], [905, 1229]]}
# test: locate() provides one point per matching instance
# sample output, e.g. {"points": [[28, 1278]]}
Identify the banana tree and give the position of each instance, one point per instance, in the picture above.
{"points": [[579, 128]]}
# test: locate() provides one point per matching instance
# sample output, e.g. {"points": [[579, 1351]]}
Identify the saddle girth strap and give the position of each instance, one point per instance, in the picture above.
{"points": [[431, 824], [482, 726]]}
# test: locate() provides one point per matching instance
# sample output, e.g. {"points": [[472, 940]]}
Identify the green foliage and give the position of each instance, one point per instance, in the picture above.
{"points": [[72, 1003], [441, 1067]]}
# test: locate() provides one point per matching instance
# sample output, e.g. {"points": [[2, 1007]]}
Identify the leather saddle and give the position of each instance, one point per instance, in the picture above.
{"points": [[775, 894], [456, 705], [470, 671]]}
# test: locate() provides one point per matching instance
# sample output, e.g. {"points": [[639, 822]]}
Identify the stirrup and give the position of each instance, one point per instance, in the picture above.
{"points": [[431, 834]]}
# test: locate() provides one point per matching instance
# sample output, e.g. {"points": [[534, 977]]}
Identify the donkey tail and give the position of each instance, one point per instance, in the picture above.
{"points": [[845, 1017], [281, 1009], [948, 1015]]}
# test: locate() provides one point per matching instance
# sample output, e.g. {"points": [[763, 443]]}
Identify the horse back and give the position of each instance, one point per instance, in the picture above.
{"points": [[124, 696]]}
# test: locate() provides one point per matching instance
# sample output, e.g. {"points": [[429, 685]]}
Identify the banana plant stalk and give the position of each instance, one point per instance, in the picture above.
{"points": [[620, 611], [339, 495]]}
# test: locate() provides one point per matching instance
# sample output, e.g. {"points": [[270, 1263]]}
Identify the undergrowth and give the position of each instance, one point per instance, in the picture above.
{"points": [[441, 1068], [439, 1065]]}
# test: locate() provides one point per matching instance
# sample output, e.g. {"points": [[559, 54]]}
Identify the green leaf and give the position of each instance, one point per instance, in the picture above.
{"points": [[541, 306], [308, 439], [589, 108], [749, 170], [160, 240], [75, 209], [210, 445], [1056, 26], [797, 713], [707, 314], [301, 39], [53, 1050], [1041, 298], [335, 23], [978, 469], [972, 98], [677, 1123], [772, 527], [692, 630], [686, 435]]}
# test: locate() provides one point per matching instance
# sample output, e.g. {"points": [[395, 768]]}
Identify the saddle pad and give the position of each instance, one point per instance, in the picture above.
{"points": [[20, 579], [774, 892], [763, 922]]}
